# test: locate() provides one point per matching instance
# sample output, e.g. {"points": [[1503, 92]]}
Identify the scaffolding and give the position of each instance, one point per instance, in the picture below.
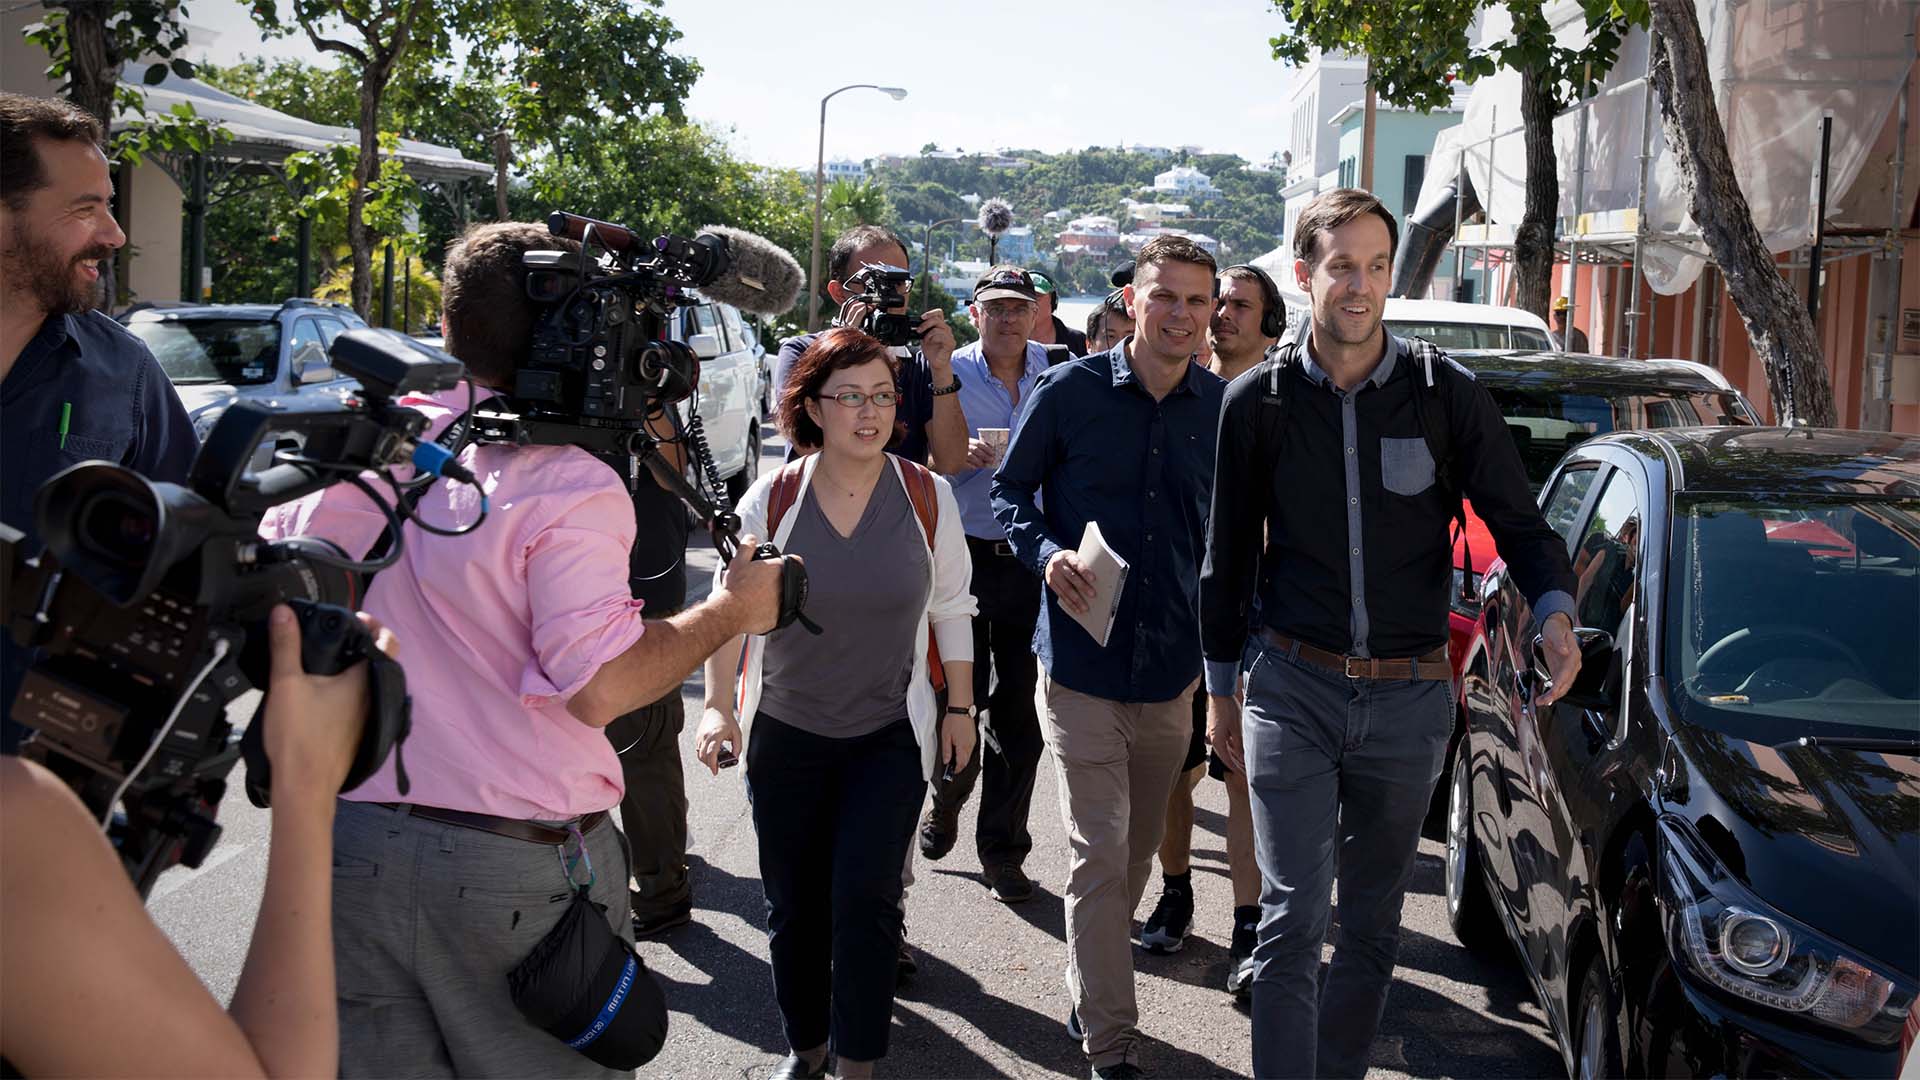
{"points": [[1622, 238]]}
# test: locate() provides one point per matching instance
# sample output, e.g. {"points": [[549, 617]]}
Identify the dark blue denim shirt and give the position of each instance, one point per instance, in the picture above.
{"points": [[1093, 445], [117, 405]]}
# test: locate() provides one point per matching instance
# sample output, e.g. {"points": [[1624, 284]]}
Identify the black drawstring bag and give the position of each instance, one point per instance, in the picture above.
{"points": [[582, 985]]}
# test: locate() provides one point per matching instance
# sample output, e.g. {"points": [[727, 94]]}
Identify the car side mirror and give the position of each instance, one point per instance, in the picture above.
{"points": [[309, 364], [1597, 687], [704, 346]]}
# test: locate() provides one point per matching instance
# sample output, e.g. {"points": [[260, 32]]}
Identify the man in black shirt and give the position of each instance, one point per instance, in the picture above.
{"points": [[936, 430], [74, 385], [653, 809], [1340, 465]]}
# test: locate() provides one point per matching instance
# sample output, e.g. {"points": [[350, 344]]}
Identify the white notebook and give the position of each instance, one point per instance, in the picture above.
{"points": [[1109, 578]]}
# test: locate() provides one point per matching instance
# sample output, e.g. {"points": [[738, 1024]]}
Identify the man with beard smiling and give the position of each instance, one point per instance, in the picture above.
{"points": [[74, 385], [1123, 438]]}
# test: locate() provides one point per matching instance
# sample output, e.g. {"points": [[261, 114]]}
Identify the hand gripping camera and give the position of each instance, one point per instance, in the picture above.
{"points": [[149, 605], [883, 289], [602, 364]]}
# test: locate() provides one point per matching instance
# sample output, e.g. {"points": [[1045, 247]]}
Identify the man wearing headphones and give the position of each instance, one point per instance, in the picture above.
{"points": [[1248, 319]]}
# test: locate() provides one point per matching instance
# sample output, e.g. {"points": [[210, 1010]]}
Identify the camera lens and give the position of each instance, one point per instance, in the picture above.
{"points": [[117, 529]]}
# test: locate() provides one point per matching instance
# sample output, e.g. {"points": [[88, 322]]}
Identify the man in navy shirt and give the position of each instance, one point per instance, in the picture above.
{"points": [[936, 432], [1124, 438], [74, 385]]}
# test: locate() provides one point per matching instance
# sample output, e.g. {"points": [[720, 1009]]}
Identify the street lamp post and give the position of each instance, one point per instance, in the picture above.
{"points": [[819, 178], [926, 258]]}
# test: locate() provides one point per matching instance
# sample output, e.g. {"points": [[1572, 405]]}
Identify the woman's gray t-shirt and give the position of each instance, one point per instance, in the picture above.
{"points": [[867, 592]]}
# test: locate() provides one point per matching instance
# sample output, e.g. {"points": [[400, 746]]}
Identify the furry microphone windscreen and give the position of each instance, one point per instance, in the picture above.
{"points": [[763, 279], [996, 217]]}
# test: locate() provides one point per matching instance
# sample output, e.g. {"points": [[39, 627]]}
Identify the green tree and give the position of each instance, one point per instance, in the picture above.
{"points": [[1416, 49]]}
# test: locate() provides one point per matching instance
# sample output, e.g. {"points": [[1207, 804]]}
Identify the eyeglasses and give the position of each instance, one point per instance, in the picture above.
{"points": [[853, 399]]}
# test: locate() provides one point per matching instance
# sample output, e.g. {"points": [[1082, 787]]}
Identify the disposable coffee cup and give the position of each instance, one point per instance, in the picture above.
{"points": [[996, 437]]}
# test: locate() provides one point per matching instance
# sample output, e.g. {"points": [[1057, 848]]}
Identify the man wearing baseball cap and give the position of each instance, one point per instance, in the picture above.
{"points": [[996, 374], [1048, 328]]}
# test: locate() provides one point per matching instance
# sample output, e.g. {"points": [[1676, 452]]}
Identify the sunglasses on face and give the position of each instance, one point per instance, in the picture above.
{"points": [[853, 399]]}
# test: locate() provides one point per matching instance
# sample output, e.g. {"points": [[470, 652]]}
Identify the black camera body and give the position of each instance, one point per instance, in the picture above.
{"points": [[884, 291], [149, 606]]}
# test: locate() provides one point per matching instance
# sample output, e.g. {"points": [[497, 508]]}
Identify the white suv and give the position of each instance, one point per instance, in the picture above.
{"points": [[732, 392]]}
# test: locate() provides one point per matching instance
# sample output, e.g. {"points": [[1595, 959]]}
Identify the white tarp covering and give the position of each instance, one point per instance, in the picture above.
{"points": [[1777, 66], [258, 132]]}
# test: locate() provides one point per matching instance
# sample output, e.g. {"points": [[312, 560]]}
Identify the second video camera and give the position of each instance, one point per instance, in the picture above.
{"points": [[149, 605]]}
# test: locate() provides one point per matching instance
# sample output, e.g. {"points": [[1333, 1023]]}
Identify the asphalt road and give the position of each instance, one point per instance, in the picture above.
{"points": [[989, 1000]]}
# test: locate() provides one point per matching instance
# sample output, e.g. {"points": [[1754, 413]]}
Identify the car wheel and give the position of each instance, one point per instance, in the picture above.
{"points": [[1469, 906], [1597, 1053], [739, 482]]}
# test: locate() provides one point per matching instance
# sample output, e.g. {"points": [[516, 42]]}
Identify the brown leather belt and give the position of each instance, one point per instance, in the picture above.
{"points": [[511, 828], [1433, 665]]}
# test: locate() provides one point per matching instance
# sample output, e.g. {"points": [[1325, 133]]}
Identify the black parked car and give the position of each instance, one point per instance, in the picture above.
{"points": [[1708, 853]]}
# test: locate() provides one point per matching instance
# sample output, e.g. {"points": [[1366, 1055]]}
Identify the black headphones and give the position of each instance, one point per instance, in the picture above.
{"points": [[1273, 317]]}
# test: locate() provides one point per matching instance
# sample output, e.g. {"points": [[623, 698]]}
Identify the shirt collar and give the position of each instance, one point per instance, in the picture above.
{"points": [[1123, 370], [1381, 371]]}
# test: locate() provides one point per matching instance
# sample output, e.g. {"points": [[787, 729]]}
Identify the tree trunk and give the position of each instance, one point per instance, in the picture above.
{"points": [[1775, 318], [1533, 240], [502, 155], [365, 169], [92, 67]]}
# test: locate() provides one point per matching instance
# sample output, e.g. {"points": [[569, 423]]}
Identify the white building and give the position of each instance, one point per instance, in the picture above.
{"points": [[1157, 152], [1184, 180], [842, 169], [1315, 95]]}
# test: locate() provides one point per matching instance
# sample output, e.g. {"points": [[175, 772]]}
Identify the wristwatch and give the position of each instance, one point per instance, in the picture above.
{"points": [[951, 388], [969, 711]]}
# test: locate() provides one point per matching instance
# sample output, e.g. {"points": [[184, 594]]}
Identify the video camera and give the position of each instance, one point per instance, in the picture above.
{"points": [[602, 363], [149, 605], [883, 289]]}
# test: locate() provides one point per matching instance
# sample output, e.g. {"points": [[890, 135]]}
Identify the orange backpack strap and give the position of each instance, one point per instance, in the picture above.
{"points": [[926, 505]]}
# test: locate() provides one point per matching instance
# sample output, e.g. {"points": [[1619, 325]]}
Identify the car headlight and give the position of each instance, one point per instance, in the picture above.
{"points": [[1465, 602], [1729, 938]]}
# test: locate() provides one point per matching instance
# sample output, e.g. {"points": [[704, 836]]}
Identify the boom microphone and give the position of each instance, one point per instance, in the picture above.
{"points": [[762, 277]]}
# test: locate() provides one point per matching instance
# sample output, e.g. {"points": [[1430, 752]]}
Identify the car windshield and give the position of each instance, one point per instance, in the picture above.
{"points": [[1546, 423], [1791, 617], [1451, 335], [236, 352]]}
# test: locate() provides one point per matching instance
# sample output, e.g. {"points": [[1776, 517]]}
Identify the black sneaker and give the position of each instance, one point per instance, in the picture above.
{"points": [[1165, 931], [1009, 884], [1119, 1070], [795, 1067], [938, 830], [1246, 931], [907, 966], [646, 926]]}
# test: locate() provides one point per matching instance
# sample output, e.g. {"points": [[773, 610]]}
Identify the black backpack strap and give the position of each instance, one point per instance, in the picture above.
{"points": [[1276, 394], [1433, 407]]}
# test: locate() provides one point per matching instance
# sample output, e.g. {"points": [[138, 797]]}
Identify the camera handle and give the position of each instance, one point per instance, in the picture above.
{"points": [[333, 639], [724, 527]]}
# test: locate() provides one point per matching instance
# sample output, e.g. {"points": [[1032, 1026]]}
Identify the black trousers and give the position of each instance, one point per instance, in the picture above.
{"points": [[834, 818], [1009, 598], [653, 812]]}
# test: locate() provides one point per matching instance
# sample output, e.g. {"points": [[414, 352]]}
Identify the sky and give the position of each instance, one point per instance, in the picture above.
{"points": [[1045, 75]]}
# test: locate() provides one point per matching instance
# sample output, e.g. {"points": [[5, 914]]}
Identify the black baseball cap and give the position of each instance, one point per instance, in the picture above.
{"points": [[1004, 283]]}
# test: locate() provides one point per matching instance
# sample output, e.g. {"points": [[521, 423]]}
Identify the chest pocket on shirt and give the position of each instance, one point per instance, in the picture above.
{"points": [[1406, 466]]}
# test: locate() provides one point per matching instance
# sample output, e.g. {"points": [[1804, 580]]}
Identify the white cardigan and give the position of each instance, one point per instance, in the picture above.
{"points": [[948, 615]]}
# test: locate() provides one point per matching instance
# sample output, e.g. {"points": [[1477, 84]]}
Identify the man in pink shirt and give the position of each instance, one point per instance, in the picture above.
{"points": [[524, 642]]}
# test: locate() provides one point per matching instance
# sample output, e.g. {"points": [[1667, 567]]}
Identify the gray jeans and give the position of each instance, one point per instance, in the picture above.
{"points": [[1340, 772], [427, 921]]}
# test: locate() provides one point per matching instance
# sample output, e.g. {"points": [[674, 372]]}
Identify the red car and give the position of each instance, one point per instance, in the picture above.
{"points": [[1552, 403]]}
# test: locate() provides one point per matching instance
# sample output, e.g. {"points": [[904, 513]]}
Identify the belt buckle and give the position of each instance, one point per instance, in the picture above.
{"points": [[1347, 663], [1001, 547]]}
